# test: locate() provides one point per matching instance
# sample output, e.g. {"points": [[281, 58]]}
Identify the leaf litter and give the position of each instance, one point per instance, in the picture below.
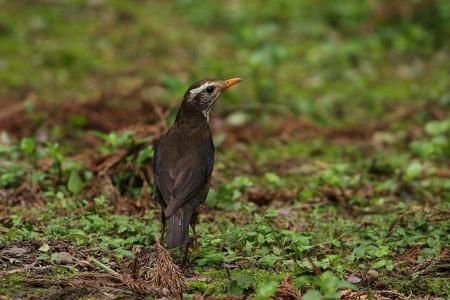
{"points": [[152, 272]]}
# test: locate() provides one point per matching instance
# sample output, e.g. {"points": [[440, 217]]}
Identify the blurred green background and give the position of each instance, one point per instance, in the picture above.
{"points": [[346, 61]]}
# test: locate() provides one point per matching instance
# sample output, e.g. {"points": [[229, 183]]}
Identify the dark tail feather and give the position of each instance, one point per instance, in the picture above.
{"points": [[177, 229]]}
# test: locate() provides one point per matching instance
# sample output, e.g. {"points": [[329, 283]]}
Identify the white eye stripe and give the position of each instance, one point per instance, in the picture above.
{"points": [[200, 88]]}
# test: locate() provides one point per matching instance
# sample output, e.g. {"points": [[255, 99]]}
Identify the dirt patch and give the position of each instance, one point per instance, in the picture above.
{"points": [[152, 272], [377, 295], [106, 113], [113, 112], [286, 291], [261, 196], [20, 257]]}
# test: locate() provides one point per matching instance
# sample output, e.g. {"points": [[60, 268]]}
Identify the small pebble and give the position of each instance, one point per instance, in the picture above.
{"points": [[62, 258], [372, 275]]}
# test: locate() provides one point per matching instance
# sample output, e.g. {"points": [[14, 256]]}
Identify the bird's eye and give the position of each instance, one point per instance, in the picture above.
{"points": [[210, 89]]}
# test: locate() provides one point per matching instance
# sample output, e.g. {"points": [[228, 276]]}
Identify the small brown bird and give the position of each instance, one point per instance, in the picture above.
{"points": [[184, 160]]}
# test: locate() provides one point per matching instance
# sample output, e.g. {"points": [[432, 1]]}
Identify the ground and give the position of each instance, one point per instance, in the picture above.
{"points": [[332, 165]]}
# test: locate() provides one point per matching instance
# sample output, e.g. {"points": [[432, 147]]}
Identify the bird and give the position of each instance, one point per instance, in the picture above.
{"points": [[183, 161]]}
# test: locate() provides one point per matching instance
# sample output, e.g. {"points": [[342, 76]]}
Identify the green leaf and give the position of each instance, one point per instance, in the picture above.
{"points": [[144, 156], [210, 258], [235, 289], [266, 290], [437, 127], [74, 184], [269, 260], [271, 212], [273, 178], [13, 233], [245, 281], [44, 248], [413, 170], [28, 106], [238, 118], [379, 264], [382, 251], [241, 182], [312, 295], [330, 284], [258, 218], [389, 265], [38, 176], [248, 247], [79, 236], [240, 283], [27, 145]]}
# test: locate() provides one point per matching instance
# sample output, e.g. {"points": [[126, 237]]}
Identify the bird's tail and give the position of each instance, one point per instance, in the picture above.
{"points": [[177, 229]]}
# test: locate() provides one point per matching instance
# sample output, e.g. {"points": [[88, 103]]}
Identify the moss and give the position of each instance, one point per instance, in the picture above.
{"points": [[216, 283], [12, 285], [436, 286], [62, 271], [11, 280], [218, 280], [260, 275]]}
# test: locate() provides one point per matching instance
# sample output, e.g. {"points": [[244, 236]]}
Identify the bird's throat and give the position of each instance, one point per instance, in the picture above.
{"points": [[190, 116]]}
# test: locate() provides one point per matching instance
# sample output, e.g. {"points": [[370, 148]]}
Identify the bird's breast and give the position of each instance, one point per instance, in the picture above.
{"points": [[180, 147]]}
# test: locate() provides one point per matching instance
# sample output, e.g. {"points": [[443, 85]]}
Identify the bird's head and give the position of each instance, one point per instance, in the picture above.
{"points": [[204, 93]]}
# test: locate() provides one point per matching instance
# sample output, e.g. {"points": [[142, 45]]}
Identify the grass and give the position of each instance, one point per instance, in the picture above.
{"points": [[332, 160]]}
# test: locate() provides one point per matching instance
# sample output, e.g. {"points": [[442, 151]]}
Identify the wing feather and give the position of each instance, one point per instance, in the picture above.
{"points": [[178, 185]]}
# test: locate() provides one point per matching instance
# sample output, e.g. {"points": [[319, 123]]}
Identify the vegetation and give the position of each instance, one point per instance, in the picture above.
{"points": [[332, 169]]}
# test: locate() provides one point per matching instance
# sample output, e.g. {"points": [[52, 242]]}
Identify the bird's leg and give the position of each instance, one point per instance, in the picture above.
{"points": [[163, 226], [186, 249], [193, 223]]}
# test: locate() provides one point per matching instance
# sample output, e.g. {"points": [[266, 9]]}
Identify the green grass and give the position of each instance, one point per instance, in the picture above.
{"points": [[332, 154]]}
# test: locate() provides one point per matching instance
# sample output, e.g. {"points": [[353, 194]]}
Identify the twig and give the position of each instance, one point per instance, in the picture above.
{"points": [[316, 270], [103, 266]]}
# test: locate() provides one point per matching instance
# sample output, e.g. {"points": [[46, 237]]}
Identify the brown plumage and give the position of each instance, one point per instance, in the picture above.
{"points": [[184, 160]]}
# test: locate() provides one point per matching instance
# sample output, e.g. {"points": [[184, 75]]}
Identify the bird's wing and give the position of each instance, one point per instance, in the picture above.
{"points": [[155, 157], [178, 185], [177, 188]]}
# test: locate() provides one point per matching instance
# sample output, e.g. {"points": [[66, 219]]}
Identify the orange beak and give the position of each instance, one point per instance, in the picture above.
{"points": [[230, 82]]}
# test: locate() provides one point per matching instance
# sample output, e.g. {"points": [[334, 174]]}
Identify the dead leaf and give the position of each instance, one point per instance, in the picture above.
{"points": [[15, 251]]}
